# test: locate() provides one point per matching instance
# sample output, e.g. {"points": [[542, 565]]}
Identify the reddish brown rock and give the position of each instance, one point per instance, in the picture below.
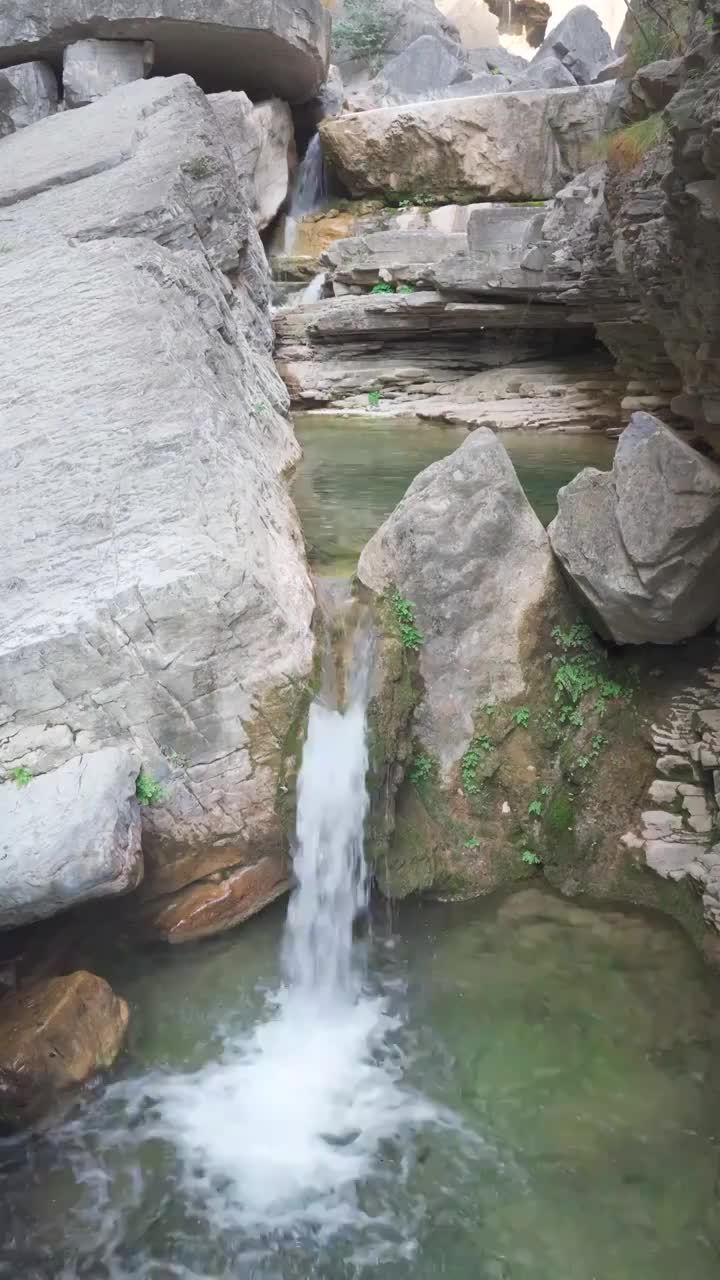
{"points": [[218, 903], [54, 1034]]}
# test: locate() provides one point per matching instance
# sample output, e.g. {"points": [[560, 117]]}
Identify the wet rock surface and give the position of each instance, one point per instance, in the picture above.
{"points": [[55, 1034]]}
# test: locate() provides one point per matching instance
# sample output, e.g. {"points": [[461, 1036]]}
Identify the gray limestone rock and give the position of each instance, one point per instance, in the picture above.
{"points": [[401, 256], [92, 68], [69, 835], [158, 596], [641, 544], [265, 47], [580, 42], [497, 60], [466, 547], [494, 146], [28, 93], [548, 74], [262, 145], [427, 64]]}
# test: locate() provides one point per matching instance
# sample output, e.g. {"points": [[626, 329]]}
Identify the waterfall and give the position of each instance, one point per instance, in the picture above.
{"points": [[314, 291], [309, 191], [281, 1131]]}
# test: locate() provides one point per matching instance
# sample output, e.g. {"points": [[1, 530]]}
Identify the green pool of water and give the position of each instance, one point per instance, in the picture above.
{"points": [[355, 471], [575, 1050]]}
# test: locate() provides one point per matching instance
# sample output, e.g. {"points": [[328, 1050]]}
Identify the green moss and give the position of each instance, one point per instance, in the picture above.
{"points": [[558, 827]]}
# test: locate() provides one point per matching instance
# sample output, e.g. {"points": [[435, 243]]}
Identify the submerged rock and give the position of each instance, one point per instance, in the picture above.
{"points": [[54, 1034], [68, 836], [641, 544], [493, 147]]}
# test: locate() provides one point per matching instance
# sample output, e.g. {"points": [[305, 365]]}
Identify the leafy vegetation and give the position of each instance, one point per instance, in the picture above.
{"points": [[654, 39], [626, 147], [363, 30], [532, 859], [535, 808], [473, 842], [383, 287], [581, 670], [521, 717], [479, 748], [404, 612], [423, 769], [20, 775], [148, 789], [373, 399]]}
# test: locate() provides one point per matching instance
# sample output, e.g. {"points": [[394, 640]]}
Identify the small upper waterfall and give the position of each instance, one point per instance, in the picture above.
{"points": [[309, 191]]}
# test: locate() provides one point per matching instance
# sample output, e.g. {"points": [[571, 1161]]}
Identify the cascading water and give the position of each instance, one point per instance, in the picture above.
{"points": [[309, 191], [279, 1133]]}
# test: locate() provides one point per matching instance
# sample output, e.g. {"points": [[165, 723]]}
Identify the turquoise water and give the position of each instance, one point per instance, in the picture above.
{"points": [[355, 471], [571, 1054]]}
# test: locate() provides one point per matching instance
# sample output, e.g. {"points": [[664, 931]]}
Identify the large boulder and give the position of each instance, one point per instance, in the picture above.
{"points": [[580, 42], [68, 836], [465, 546], [92, 68], [641, 544], [400, 256], [493, 147], [262, 144], [28, 93], [262, 46], [54, 1034], [159, 596]]}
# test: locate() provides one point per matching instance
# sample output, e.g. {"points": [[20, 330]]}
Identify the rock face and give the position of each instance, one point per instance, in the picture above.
{"points": [[261, 46], [28, 93], [91, 68], [504, 146], [427, 65], [580, 42], [55, 1034], [641, 544], [218, 903], [262, 144], [466, 548], [159, 597], [69, 835]]}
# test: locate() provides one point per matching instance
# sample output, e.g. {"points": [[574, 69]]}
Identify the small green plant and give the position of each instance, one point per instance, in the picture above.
{"points": [[423, 769], [532, 859], [20, 775], [490, 710], [626, 147], [148, 789], [404, 611], [535, 808], [709, 21], [382, 286], [472, 843], [373, 399], [521, 717], [580, 671], [406, 288], [480, 746], [653, 41]]}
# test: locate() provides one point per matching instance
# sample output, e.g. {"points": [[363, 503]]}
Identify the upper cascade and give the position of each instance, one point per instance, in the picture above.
{"points": [[265, 47]]}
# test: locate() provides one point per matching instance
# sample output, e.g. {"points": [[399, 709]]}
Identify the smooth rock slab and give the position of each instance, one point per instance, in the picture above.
{"points": [[68, 836], [641, 544], [28, 93], [504, 146], [92, 68], [55, 1034], [262, 46], [211, 906]]}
